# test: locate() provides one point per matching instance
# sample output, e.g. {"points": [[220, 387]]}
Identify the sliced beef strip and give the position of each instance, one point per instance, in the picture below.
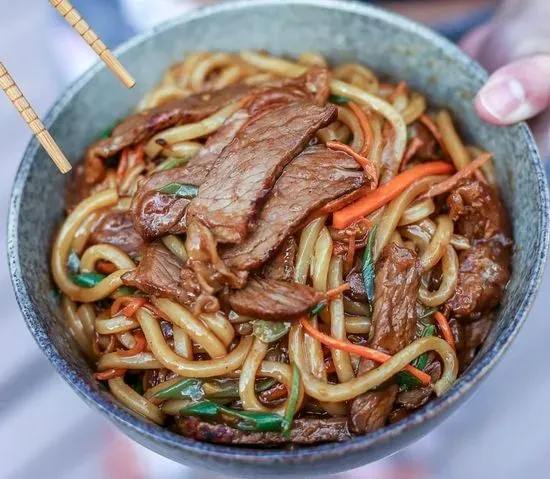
{"points": [[393, 327], [473, 335], [356, 290], [300, 190], [229, 200], [159, 273], [484, 269], [428, 150], [281, 266], [304, 431], [144, 125], [116, 228], [156, 214], [273, 299]]}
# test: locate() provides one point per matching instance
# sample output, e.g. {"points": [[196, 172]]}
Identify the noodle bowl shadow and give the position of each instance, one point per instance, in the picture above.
{"points": [[343, 32]]}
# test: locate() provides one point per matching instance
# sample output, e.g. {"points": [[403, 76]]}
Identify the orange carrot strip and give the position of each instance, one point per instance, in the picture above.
{"points": [[109, 374], [345, 200], [451, 182], [122, 166], [445, 328], [105, 267], [366, 164], [385, 193], [362, 351], [138, 348], [332, 293], [131, 305], [365, 127]]}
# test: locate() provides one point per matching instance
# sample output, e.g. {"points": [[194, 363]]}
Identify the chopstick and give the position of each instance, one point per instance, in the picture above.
{"points": [[29, 115], [79, 24]]}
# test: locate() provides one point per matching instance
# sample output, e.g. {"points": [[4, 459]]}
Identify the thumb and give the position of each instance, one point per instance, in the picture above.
{"points": [[516, 92]]}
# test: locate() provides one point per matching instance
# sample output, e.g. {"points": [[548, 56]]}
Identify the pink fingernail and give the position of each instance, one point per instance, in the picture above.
{"points": [[506, 101]]}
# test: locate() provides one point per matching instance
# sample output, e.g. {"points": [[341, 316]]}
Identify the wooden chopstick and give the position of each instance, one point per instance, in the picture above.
{"points": [[29, 115], [79, 24]]}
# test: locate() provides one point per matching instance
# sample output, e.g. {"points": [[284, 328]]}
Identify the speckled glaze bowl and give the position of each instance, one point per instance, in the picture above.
{"points": [[343, 31]]}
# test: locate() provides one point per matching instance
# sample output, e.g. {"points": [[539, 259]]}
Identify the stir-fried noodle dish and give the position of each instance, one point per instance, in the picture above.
{"points": [[273, 251]]}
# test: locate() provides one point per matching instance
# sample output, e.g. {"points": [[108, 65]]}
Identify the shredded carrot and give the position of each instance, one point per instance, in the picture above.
{"points": [[414, 145], [332, 293], [362, 351], [345, 200], [131, 305], [365, 127], [385, 193], [366, 164], [139, 154], [109, 374], [451, 182], [445, 328], [105, 267], [138, 348], [277, 392], [350, 254], [122, 166]]}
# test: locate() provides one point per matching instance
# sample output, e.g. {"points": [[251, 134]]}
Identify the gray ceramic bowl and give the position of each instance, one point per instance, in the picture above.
{"points": [[343, 32]]}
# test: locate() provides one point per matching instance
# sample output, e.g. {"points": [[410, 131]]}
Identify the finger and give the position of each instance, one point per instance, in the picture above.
{"points": [[471, 43], [516, 92], [540, 127]]}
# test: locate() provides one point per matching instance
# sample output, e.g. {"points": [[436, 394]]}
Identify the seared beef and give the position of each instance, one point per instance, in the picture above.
{"points": [[273, 299], [229, 199], [472, 335], [415, 398], [428, 150], [393, 327], [301, 189], [144, 125], [484, 268], [158, 273], [281, 266], [116, 228], [356, 290], [156, 214], [304, 431]]}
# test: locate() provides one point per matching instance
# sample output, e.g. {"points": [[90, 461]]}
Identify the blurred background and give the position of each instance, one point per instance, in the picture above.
{"points": [[46, 431]]}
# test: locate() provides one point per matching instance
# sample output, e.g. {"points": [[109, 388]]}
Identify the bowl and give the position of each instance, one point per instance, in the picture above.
{"points": [[343, 31]]}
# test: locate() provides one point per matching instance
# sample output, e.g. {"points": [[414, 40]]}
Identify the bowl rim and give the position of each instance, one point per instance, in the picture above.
{"points": [[158, 434]]}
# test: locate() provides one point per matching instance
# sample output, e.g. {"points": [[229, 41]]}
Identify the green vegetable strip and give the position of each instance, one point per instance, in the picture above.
{"points": [[427, 313], [317, 309], [184, 389], [368, 265], [249, 421], [172, 163], [338, 99], [406, 381], [292, 401], [270, 331], [421, 361], [179, 189], [88, 280]]}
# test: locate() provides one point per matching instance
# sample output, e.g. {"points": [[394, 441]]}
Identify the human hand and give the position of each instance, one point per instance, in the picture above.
{"points": [[515, 47]]}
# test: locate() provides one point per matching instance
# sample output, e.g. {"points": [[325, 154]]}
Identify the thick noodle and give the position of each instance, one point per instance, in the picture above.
{"points": [[449, 280], [136, 402]]}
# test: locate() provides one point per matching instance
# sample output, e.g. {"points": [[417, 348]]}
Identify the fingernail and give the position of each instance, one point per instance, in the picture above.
{"points": [[506, 101]]}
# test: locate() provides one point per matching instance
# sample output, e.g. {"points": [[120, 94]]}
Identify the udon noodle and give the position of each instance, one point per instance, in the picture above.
{"points": [[170, 360]]}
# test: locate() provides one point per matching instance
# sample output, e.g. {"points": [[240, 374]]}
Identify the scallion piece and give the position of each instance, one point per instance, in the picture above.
{"points": [[184, 389], [88, 280], [270, 331], [421, 361], [427, 313], [368, 265], [317, 309], [179, 189], [172, 163], [339, 99], [292, 401]]}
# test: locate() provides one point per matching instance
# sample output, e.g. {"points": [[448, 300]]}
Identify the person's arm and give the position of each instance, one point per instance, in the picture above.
{"points": [[515, 46]]}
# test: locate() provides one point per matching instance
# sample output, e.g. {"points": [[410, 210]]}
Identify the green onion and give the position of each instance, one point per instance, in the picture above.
{"points": [[230, 389], [172, 163], [88, 280], [368, 265], [421, 361], [248, 420], [317, 309], [179, 189], [406, 381], [270, 331], [128, 291], [107, 132], [427, 313], [184, 389], [292, 401], [339, 99], [73, 263]]}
